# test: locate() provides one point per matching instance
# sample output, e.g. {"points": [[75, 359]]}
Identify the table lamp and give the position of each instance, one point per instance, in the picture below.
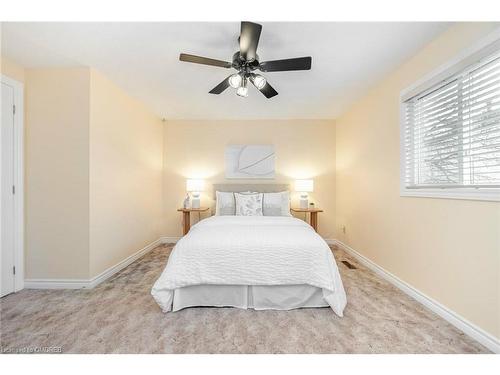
{"points": [[195, 186], [304, 187]]}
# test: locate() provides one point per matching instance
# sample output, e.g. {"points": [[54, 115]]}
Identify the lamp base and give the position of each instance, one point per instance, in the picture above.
{"points": [[195, 203], [304, 203]]}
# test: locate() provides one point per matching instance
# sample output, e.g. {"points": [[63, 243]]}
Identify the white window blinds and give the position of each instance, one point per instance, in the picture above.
{"points": [[452, 131]]}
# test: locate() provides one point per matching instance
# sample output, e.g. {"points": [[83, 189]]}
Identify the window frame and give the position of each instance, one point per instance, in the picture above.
{"points": [[475, 53]]}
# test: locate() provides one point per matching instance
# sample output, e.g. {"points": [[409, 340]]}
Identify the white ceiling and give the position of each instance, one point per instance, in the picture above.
{"points": [[143, 59]]}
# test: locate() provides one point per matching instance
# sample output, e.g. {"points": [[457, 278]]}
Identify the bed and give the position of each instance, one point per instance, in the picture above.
{"points": [[258, 262]]}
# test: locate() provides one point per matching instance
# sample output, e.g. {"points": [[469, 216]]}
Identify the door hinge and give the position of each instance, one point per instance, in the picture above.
{"points": [[14, 109], [13, 189], [14, 270]]}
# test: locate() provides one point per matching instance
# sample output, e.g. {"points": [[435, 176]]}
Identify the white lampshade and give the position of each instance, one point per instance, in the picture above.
{"points": [[195, 185], [304, 186]]}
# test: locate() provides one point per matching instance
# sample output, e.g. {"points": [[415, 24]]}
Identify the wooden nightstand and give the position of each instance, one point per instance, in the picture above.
{"points": [[313, 212], [186, 216]]}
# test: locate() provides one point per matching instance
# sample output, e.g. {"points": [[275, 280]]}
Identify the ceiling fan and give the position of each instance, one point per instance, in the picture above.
{"points": [[246, 61]]}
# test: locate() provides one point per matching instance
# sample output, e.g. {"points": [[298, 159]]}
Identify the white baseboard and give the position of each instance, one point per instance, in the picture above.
{"points": [[444, 312], [124, 263], [330, 241], [166, 239], [55, 283], [93, 282]]}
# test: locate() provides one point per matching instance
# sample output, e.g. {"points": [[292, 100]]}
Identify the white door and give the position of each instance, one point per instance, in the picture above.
{"points": [[7, 199]]}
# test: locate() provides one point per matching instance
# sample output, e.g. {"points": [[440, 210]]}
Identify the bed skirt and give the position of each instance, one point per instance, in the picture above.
{"points": [[258, 297]]}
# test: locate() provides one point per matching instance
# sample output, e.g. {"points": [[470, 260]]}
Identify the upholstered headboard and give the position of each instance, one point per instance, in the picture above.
{"points": [[261, 188]]}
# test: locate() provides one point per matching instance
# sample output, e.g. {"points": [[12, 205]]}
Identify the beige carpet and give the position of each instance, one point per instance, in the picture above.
{"points": [[120, 316]]}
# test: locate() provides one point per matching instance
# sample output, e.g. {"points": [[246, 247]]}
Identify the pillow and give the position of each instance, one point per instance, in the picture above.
{"points": [[248, 204], [224, 204], [276, 204]]}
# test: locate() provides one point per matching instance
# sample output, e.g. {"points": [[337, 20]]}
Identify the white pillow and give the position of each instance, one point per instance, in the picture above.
{"points": [[224, 204], [248, 204], [276, 204]]}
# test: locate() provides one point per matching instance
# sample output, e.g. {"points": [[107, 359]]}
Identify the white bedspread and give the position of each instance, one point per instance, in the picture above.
{"points": [[251, 250]]}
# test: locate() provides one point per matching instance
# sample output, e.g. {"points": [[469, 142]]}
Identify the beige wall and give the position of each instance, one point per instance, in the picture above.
{"points": [[126, 145], [195, 149], [57, 173], [11, 69], [93, 174], [448, 249]]}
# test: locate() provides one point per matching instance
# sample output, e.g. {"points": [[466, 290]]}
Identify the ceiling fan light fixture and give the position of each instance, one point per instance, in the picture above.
{"points": [[246, 61], [259, 81], [235, 80], [242, 91]]}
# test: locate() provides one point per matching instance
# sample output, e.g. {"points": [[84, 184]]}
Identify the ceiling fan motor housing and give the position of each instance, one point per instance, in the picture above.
{"points": [[239, 63]]}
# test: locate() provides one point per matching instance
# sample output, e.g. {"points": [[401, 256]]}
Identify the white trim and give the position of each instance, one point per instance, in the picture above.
{"points": [[166, 239], [465, 193], [451, 66], [460, 61], [121, 265], [444, 312], [55, 283], [93, 282], [18, 180]]}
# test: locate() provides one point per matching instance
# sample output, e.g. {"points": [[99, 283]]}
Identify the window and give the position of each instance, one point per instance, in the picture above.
{"points": [[451, 135]]}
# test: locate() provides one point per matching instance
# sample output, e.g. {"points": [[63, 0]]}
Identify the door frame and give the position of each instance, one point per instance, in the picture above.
{"points": [[18, 180]]}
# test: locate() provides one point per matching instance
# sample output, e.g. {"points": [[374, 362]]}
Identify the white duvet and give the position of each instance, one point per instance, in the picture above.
{"points": [[251, 250]]}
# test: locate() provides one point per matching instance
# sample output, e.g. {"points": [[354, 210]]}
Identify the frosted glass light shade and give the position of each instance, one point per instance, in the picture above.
{"points": [[304, 186], [195, 185], [235, 81], [259, 82], [242, 91]]}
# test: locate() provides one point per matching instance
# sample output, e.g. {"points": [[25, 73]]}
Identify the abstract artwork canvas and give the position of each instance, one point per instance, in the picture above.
{"points": [[249, 161]]}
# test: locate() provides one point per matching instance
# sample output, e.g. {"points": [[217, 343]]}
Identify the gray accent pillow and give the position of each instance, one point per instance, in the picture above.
{"points": [[224, 204], [276, 204], [248, 204]]}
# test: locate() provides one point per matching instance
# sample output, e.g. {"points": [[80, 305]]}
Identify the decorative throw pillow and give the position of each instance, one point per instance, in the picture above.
{"points": [[225, 204], [248, 204], [276, 204]]}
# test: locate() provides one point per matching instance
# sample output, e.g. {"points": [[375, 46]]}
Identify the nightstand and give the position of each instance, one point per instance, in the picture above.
{"points": [[313, 212], [186, 216]]}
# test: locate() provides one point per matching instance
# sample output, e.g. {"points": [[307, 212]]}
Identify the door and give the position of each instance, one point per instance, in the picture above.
{"points": [[7, 192]]}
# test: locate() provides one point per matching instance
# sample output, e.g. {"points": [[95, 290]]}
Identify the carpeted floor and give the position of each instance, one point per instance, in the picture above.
{"points": [[120, 316]]}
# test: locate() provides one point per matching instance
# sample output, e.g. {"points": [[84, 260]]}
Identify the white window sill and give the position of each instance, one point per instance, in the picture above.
{"points": [[469, 194]]}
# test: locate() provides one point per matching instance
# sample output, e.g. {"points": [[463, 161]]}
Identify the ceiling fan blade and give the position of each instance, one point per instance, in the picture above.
{"points": [[204, 60], [220, 87], [249, 40], [299, 63], [267, 90]]}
